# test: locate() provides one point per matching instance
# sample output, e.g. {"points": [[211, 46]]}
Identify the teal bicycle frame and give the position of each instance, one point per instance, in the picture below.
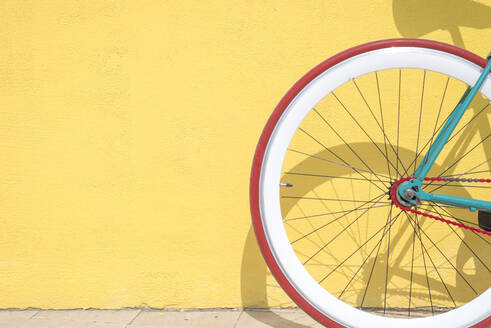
{"points": [[436, 148]]}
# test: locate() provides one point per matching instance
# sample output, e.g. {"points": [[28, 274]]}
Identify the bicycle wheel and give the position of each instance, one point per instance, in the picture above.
{"points": [[324, 164]]}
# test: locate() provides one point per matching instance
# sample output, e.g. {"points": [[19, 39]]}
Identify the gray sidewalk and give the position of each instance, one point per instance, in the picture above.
{"points": [[141, 318]]}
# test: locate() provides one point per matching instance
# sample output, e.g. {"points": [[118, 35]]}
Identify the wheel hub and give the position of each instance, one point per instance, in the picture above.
{"points": [[408, 194]]}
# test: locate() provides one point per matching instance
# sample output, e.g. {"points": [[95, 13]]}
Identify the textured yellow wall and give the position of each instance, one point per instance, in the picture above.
{"points": [[127, 130]]}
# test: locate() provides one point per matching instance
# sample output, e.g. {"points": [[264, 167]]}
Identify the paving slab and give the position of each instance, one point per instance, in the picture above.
{"points": [[15, 318], [69, 324], [145, 318], [82, 318], [186, 319], [280, 318]]}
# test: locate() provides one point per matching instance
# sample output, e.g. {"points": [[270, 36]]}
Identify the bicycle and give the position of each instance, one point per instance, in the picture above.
{"points": [[344, 179]]}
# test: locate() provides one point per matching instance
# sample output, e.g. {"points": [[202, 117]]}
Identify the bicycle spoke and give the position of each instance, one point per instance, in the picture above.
{"points": [[470, 171], [364, 131], [430, 141], [467, 123], [435, 131], [382, 120], [330, 213], [411, 278], [333, 199], [357, 170], [333, 176], [455, 162], [446, 258], [356, 250], [332, 239], [476, 172], [413, 223], [315, 244], [342, 160], [462, 240], [387, 267], [480, 236], [419, 121], [438, 115], [460, 220], [339, 136], [381, 128], [374, 262], [336, 219], [398, 120], [424, 262], [461, 174], [467, 153]]}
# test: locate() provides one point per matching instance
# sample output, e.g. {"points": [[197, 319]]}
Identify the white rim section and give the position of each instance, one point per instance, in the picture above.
{"points": [[397, 57]]}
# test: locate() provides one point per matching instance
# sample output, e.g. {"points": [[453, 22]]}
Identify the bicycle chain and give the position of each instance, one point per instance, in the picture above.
{"points": [[407, 209]]}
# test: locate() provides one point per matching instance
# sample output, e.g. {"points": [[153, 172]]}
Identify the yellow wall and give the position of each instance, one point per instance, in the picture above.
{"points": [[127, 130]]}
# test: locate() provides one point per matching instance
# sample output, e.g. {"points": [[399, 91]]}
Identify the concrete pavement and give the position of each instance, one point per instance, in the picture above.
{"points": [[143, 318]]}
